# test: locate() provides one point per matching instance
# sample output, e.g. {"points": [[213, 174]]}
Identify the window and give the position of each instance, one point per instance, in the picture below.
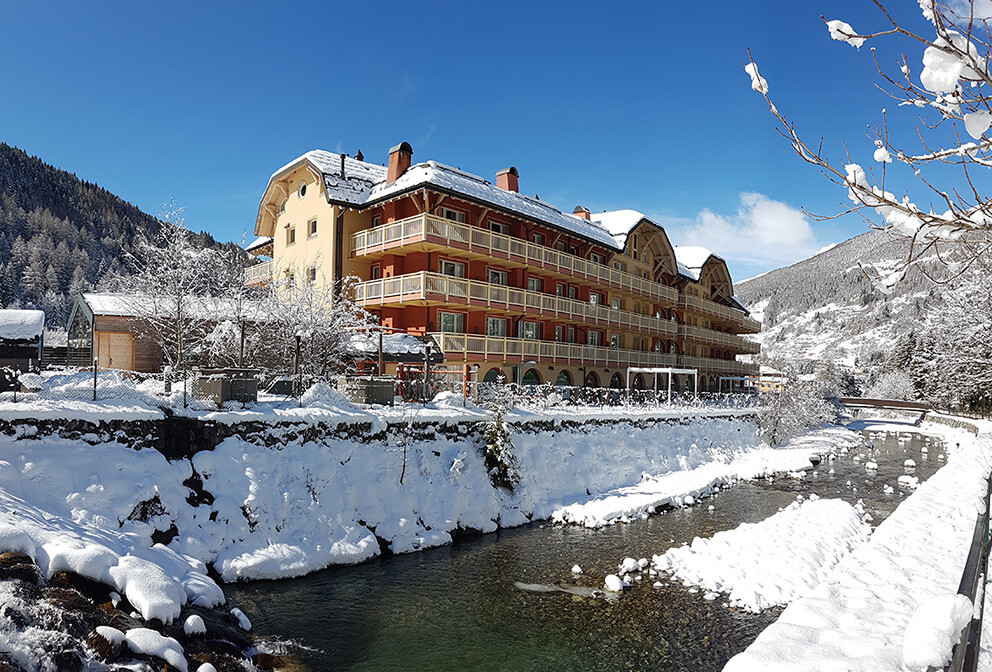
{"points": [[301, 190], [451, 323], [560, 247], [597, 258], [495, 326], [453, 215], [290, 279], [496, 277], [497, 227], [377, 220], [312, 228], [559, 289], [595, 337], [375, 272], [616, 304], [530, 330], [559, 333], [573, 292], [282, 206], [311, 276], [618, 265], [571, 334], [290, 235], [534, 284], [538, 239], [633, 246], [595, 298], [453, 268], [616, 342]]}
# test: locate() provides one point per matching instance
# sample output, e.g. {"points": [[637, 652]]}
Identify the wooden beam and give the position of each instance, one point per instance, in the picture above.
{"points": [[437, 205], [482, 216]]}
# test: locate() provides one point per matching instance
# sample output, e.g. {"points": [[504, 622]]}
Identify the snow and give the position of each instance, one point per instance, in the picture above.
{"points": [[774, 561], [976, 123], [194, 625], [261, 241], [857, 618], [692, 258], [151, 643], [243, 621], [112, 635], [613, 583], [758, 83], [882, 155], [392, 344], [842, 32], [620, 223], [684, 486], [934, 629], [18, 325]]}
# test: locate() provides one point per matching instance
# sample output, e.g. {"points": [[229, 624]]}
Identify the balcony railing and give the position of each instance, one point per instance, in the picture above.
{"points": [[698, 335], [429, 228], [724, 366], [259, 273], [738, 317], [426, 285], [470, 346]]}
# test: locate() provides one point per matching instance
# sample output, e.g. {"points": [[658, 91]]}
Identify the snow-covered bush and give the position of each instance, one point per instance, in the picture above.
{"points": [[894, 384]]}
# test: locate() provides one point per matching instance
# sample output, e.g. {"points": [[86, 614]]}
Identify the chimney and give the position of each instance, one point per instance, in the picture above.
{"points": [[359, 156], [581, 212], [399, 161], [506, 179]]}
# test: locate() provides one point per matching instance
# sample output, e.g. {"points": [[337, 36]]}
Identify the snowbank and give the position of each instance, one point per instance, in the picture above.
{"points": [[857, 618], [673, 488], [774, 561]]}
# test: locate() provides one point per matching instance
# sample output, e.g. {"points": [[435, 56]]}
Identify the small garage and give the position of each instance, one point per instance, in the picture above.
{"points": [[104, 326]]}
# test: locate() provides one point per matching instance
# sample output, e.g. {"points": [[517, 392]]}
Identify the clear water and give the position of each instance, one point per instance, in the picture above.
{"points": [[457, 607]]}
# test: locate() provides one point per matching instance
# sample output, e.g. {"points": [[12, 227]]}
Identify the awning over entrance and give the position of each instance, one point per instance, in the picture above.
{"points": [[669, 371]]}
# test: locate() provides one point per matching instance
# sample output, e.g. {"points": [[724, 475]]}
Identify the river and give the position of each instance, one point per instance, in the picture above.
{"points": [[457, 607]]}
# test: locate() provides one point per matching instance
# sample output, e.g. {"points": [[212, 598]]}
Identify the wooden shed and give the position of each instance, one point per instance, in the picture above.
{"points": [[104, 326], [21, 339]]}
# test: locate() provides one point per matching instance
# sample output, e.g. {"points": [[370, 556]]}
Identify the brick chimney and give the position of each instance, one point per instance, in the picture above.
{"points": [[582, 212], [506, 179], [399, 161]]}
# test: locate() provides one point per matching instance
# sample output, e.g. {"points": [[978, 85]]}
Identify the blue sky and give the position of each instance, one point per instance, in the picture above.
{"points": [[608, 105]]}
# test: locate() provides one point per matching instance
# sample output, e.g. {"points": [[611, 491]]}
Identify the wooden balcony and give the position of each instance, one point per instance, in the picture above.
{"points": [[426, 288], [431, 233], [259, 273], [504, 349], [719, 338], [739, 318]]}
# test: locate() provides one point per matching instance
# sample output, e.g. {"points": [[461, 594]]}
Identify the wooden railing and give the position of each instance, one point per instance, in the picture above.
{"points": [[259, 273], [738, 317], [700, 335], [425, 285], [423, 228], [471, 346]]}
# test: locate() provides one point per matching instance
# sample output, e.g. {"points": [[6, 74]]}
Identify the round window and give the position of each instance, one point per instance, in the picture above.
{"points": [[301, 190]]}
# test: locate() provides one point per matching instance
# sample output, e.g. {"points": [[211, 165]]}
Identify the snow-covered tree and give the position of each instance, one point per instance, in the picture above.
{"points": [[943, 112], [805, 401], [894, 384]]}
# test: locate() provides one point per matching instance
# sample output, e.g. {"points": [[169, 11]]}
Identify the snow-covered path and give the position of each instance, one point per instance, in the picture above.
{"points": [[857, 618]]}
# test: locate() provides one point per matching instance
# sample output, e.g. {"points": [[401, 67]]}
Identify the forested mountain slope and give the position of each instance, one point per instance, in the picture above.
{"points": [[60, 234], [824, 308]]}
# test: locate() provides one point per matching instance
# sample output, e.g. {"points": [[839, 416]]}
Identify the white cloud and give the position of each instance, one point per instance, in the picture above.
{"points": [[962, 9], [763, 233]]}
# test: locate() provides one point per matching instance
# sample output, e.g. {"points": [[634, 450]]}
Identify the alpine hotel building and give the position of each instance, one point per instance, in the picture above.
{"points": [[503, 280]]}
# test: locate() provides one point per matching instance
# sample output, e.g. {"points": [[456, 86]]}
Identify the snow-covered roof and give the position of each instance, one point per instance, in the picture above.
{"points": [[210, 307], [474, 187], [259, 242], [20, 325], [392, 344], [619, 223], [691, 259]]}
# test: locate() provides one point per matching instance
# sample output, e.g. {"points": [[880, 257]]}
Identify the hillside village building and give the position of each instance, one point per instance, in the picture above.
{"points": [[503, 280]]}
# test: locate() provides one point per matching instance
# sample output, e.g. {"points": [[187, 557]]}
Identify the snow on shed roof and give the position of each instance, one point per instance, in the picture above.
{"points": [[209, 307], [392, 344], [17, 325]]}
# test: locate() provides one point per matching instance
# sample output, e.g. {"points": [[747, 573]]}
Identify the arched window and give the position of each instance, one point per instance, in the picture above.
{"points": [[616, 382], [564, 379], [531, 377]]}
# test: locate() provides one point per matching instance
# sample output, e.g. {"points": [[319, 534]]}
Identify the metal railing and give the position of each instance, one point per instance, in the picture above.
{"points": [[714, 309], [449, 289], [430, 228]]}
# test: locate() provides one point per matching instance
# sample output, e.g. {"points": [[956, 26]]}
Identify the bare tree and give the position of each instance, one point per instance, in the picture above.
{"points": [[951, 98]]}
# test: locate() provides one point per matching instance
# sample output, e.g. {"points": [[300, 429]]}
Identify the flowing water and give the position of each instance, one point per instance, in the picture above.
{"points": [[461, 607]]}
